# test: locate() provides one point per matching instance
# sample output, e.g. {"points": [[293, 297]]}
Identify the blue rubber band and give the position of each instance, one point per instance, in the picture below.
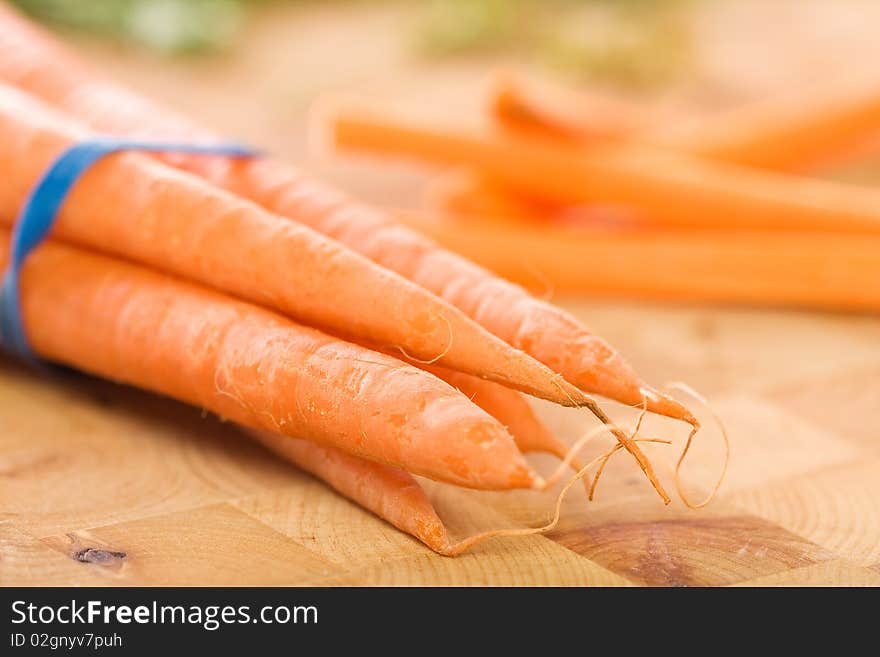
{"points": [[41, 208]]}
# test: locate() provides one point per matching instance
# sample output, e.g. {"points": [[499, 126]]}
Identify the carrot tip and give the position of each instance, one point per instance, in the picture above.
{"points": [[657, 402]]}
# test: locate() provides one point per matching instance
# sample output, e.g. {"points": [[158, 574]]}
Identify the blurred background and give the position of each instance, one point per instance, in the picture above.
{"points": [[252, 67]]}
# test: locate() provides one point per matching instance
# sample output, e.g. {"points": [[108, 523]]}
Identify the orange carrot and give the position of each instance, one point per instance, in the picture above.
{"points": [[510, 408], [29, 59], [507, 406], [794, 133], [465, 192], [790, 134], [390, 493], [252, 366], [394, 495], [665, 188], [554, 111], [139, 209], [838, 272], [468, 194]]}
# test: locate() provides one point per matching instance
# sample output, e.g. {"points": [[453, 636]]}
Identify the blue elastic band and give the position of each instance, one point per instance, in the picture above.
{"points": [[38, 214]]}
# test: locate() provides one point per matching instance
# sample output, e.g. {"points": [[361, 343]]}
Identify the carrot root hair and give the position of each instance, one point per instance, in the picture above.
{"points": [[438, 357], [683, 387], [592, 490], [625, 441], [458, 547], [567, 456]]}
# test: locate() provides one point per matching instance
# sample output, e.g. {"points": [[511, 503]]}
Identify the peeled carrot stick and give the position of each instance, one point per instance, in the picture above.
{"points": [[790, 134], [795, 134], [479, 197], [139, 209], [30, 59], [554, 111], [252, 366], [465, 192], [468, 194], [665, 188], [836, 272]]}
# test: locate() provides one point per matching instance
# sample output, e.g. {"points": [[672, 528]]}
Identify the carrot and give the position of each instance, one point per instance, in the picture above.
{"points": [[390, 493], [665, 188], [554, 111], [468, 194], [465, 192], [786, 134], [507, 406], [136, 326], [254, 367], [511, 409], [30, 59], [765, 268], [141, 210], [395, 496]]}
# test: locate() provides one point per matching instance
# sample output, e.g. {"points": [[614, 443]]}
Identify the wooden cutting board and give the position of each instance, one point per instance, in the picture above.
{"points": [[107, 485], [104, 485]]}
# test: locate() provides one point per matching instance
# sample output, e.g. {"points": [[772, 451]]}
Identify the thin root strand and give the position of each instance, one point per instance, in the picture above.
{"points": [[683, 387]]}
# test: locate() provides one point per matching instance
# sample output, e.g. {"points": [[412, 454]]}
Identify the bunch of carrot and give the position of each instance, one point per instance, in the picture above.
{"points": [[344, 341], [594, 196]]}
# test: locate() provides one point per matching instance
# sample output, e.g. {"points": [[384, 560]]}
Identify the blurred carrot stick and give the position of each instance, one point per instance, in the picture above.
{"points": [[666, 188], [839, 272], [466, 193], [790, 134], [549, 110]]}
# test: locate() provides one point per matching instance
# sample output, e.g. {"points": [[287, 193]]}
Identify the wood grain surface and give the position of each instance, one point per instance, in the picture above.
{"points": [[105, 485]]}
